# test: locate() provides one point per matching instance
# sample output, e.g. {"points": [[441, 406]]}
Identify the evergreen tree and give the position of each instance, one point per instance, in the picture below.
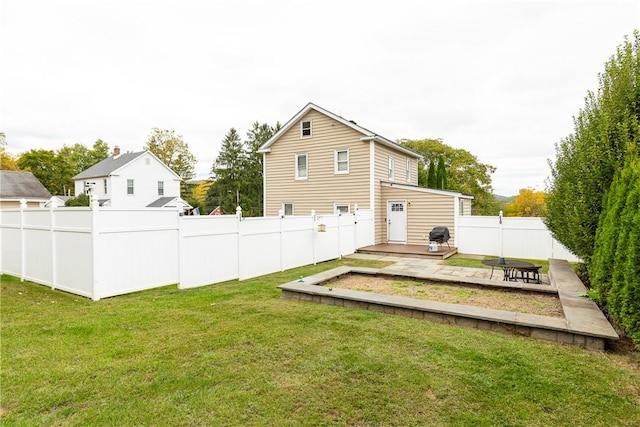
{"points": [[441, 174], [586, 161], [227, 171], [252, 184], [431, 175]]}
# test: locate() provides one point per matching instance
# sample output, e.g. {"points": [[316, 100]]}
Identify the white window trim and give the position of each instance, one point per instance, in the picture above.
{"points": [[105, 186], [133, 187], [310, 129], [306, 156], [160, 186], [337, 204], [391, 168], [408, 170], [293, 211], [335, 161]]}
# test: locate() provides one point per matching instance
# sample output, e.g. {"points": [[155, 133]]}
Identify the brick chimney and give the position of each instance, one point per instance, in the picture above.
{"points": [[116, 152]]}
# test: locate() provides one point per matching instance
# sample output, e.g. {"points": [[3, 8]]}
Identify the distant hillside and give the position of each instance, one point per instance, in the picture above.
{"points": [[504, 199]]}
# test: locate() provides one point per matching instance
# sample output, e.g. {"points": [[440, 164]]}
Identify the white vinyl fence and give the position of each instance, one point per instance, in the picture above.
{"points": [[104, 252], [510, 237]]}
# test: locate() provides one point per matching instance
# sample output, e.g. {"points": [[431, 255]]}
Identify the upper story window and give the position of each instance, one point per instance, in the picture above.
{"points": [[104, 183], [305, 129], [129, 186], [408, 170], [341, 161], [391, 172], [160, 188], [301, 166]]}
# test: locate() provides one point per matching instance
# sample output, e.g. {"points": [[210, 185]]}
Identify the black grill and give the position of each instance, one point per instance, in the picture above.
{"points": [[439, 235]]}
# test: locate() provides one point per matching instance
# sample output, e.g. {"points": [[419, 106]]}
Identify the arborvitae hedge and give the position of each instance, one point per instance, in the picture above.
{"points": [[615, 268]]}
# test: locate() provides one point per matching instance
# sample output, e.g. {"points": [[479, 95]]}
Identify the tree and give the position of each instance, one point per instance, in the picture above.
{"points": [[464, 173], [227, 170], [173, 152], [252, 183], [42, 164], [587, 160], [431, 176], [79, 200], [7, 161], [528, 202], [441, 174]]}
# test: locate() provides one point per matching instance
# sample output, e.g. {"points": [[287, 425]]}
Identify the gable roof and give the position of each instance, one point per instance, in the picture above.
{"points": [[168, 202], [367, 134], [21, 185], [108, 166], [111, 165]]}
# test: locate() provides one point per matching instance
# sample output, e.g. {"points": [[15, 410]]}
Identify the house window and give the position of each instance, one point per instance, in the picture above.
{"points": [[129, 186], [408, 170], [287, 207], [301, 166], [160, 188], [104, 183], [343, 208], [341, 161], [305, 129], [391, 168]]}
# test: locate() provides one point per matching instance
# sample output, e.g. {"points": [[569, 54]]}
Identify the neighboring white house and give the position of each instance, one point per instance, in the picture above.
{"points": [[130, 180]]}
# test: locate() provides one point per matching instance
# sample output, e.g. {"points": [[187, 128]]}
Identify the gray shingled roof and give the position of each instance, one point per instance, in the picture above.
{"points": [[164, 201], [18, 185], [108, 165]]}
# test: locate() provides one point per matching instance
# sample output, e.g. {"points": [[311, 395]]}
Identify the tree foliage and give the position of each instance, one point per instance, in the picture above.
{"points": [[441, 174], [528, 202], [586, 160], [56, 169], [7, 161], [171, 149], [431, 175], [79, 200], [464, 172], [238, 171]]}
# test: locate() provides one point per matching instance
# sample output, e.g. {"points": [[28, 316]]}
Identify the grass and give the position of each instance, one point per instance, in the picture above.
{"points": [[237, 354], [462, 260]]}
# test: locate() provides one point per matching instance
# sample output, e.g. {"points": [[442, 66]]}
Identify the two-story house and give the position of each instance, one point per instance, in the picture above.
{"points": [[321, 161], [130, 180]]}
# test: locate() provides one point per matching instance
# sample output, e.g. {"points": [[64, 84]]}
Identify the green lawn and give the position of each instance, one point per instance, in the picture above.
{"points": [[237, 354]]}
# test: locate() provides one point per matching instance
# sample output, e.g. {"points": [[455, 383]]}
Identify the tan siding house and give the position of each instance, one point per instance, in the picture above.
{"points": [[323, 162]]}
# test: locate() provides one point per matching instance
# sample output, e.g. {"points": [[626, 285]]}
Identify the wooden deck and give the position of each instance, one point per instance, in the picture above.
{"points": [[421, 251]]}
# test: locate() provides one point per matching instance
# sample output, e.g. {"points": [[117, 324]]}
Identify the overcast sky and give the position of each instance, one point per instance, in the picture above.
{"points": [[502, 79]]}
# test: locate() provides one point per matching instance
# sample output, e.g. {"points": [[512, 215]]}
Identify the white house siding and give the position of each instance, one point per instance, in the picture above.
{"points": [[424, 212], [382, 154], [323, 187]]}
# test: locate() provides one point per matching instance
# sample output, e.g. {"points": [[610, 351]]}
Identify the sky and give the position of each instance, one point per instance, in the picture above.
{"points": [[502, 79]]}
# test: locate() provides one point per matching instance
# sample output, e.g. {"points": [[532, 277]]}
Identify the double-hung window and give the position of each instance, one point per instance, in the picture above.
{"points": [[160, 188], [104, 183], [129, 186], [301, 166], [305, 129], [391, 173], [341, 164]]}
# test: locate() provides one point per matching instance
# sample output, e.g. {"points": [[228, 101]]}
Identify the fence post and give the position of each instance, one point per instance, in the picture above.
{"points": [[339, 243], [180, 209], [95, 271], [23, 252], [239, 254], [313, 235], [281, 216], [53, 205]]}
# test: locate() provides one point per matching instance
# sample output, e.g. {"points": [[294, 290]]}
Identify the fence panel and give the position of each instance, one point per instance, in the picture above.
{"points": [[509, 237], [259, 251], [208, 250], [297, 241]]}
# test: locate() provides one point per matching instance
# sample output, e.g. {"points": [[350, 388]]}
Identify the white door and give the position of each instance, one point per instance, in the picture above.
{"points": [[397, 221]]}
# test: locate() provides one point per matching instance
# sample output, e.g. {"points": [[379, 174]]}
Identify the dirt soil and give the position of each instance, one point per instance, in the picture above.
{"points": [[509, 300]]}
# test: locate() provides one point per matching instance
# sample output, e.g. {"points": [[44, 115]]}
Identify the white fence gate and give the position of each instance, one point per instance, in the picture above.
{"points": [[106, 252], [511, 237]]}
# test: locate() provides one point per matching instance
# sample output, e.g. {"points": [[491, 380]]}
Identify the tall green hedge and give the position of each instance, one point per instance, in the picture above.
{"points": [[615, 267]]}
